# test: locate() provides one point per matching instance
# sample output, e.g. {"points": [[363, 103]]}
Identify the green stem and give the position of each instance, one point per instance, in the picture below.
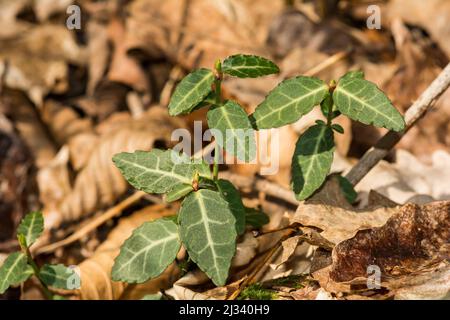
{"points": [[330, 106], [35, 268], [218, 98]]}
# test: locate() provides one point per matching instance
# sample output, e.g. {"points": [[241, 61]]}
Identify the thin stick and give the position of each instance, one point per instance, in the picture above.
{"points": [[390, 139], [95, 223]]}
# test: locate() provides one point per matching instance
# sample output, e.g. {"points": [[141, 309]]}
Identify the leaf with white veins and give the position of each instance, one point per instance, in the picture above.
{"points": [[207, 230], [31, 227], [178, 192], [238, 136], [290, 100], [191, 91], [248, 66], [14, 271], [158, 171], [362, 101], [58, 276], [148, 252], [312, 160]]}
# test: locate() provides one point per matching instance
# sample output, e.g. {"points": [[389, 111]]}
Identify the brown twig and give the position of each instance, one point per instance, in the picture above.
{"points": [[390, 139], [95, 223]]}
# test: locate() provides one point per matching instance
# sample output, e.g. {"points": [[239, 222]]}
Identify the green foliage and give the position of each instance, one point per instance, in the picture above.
{"points": [[31, 227], [362, 101], [290, 100], [58, 276], [248, 66], [14, 271], [233, 197], [255, 218], [148, 252], [257, 292], [19, 266], [207, 230], [312, 160], [212, 214], [178, 192], [192, 90], [347, 189], [235, 127], [157, 171]]}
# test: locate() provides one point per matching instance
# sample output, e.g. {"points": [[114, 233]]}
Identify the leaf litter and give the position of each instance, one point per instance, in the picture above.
{"points": [[67, 113]]}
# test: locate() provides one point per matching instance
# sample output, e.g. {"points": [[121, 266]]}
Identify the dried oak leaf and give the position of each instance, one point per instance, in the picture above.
{"points": [[202, 30], [413, 237], [37, 62], [96, 283], [329, 211]]}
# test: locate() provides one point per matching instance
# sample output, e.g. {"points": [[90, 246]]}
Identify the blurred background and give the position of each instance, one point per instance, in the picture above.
{"points": [[83, 80]]}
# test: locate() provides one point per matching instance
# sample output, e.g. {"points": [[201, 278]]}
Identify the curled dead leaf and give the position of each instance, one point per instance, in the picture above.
{"points": [[413, 237]]}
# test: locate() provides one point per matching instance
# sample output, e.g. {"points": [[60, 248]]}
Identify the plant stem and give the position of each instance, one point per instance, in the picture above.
{"points": [[330, 107], [218, 98], [33, 265]]}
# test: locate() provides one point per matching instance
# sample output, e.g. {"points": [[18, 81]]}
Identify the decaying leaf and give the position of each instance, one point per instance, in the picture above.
{"points": [[329, 210], [413, 237]]}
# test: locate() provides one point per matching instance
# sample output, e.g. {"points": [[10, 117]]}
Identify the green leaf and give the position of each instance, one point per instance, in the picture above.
{"points": [[248, 66], [158, 171], [148, 252], [233, 197], [238, 136], [31, 227], [290, 100], [255, 218], [338, 128], [347, 189], [155, 296], [207, 229], [312, 160], [358, 74], [362, 101], [191, 91], [59, 276], [325, 107], [178, 192], [14, 271]]}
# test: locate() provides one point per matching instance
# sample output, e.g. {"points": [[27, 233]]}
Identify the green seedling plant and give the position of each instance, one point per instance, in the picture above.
{"points": [[212, 214], [352, 96], [20, 266]]}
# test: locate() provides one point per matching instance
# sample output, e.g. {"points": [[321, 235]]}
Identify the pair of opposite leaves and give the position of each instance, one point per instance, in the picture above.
{"points": [[16, 268], [353, 96], [154, 172], [207, 223]]}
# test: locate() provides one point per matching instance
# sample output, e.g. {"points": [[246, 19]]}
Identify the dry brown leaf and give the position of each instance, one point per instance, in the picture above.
{"points": [[37, 62], [418, 12], [95, 272], [99, 183], [413, 237], [433, 284], [183, 289], [329, 210], [29, 126], [10, 27], [210, 29]]}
